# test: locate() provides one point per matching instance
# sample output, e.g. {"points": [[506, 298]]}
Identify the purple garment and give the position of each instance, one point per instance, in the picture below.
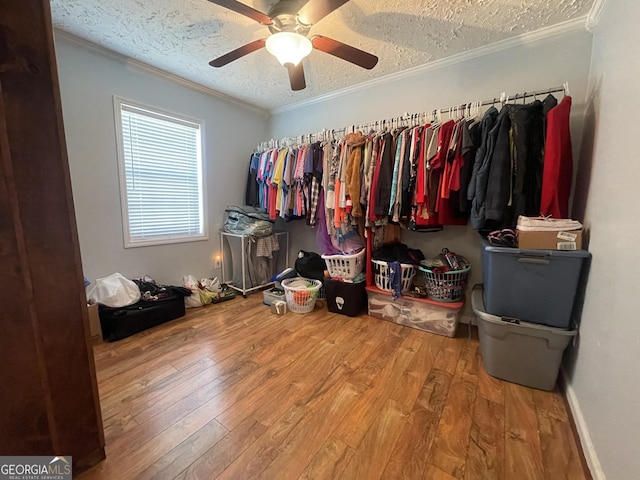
{"points": [[323, 240]]}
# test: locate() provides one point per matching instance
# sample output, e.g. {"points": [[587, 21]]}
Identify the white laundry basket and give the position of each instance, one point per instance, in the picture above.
{"points": [[301, 293], [346, 267], [382, 275]]}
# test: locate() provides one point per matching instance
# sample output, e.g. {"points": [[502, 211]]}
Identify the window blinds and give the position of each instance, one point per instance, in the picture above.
{"points": [[162, 176]]}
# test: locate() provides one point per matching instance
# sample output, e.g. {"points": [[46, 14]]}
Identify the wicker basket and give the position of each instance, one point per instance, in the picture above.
{"points": [[346, 267], [445, 286], [301, 293], [382, 275]]}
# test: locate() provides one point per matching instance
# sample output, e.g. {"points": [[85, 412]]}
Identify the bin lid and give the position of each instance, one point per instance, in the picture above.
{"points": [[538, 253], [477, 304]]}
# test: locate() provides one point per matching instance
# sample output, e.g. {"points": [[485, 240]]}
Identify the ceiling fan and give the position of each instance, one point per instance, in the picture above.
{"points": [[289, 22]]}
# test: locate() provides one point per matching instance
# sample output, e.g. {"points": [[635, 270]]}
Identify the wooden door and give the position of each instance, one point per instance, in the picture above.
{"points": [[48, 396]]}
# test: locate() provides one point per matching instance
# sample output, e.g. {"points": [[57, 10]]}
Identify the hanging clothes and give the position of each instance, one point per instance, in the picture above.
{"points": [[384, 175], [558, 162], [483, 162], [486, 171], [251, 191], [527, 124], [355, 144]]}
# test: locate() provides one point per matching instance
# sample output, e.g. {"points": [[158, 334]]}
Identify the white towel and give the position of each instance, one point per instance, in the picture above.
{"points": [[543, 224]]}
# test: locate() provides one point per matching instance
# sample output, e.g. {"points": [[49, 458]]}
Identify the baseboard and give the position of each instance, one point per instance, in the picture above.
{"points": [[588, 449], [469, 320]]}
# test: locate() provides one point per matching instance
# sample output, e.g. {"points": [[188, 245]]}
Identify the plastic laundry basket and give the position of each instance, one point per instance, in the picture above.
{"points": [[445, 286], [382, 275], [301, 293], [346, 267]]}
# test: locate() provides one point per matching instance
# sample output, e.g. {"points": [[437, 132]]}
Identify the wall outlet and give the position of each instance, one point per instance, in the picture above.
{"points": [[217, 263]]}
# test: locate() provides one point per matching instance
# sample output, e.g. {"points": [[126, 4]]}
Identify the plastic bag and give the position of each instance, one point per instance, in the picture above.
{"points": [[114, 291], [247, 221], [193, 300]]}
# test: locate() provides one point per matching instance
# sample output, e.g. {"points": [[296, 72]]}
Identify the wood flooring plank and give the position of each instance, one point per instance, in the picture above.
{"points": [[117, 425], [485, 458], [560, 455], [195, 322], [187, 340], [449, 451], [364, 375], [371, 457], [140, 457], [408, 459], [250, 335], [141, 376], [412, 449], [413, 378], [157, 424], [162, 393], [435, 391], [469, 359], [312, 381], [317, 361], [449, 354], [434, 473], [329, 462], [252, 461], [372, 335], [523, 455], [318, 396], [217, 458], [187, 452], [363, 412], [490, 387], [308, 436], [551, 404], [249, 350]]}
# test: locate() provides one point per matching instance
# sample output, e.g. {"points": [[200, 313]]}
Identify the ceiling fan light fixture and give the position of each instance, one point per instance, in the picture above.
{"points": [[289, 47]]}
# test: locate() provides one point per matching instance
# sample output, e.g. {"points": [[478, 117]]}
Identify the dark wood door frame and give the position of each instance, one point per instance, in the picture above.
{"points": [[48, 386]]}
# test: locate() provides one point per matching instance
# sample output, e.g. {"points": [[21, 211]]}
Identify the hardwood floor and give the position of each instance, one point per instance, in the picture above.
{"points": [[232, 391]]}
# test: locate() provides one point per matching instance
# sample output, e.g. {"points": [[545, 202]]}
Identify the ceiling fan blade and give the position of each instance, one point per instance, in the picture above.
{"points": [[344, 51], [296, 76], [316, 10], [237, 53], [245, 10]]}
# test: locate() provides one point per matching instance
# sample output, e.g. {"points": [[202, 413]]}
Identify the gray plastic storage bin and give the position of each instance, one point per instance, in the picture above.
{"points": [[524, 353], [537, 286]]}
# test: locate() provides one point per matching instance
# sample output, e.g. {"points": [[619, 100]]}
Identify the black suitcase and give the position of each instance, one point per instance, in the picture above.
{"points": [[346, 298], [118, 323]]}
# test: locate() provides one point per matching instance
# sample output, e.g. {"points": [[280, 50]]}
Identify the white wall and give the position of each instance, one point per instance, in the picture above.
{"points": [[88, 82], [603, 374], [526, 67]]}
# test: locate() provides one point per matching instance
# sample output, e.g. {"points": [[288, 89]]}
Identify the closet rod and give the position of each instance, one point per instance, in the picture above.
{"points": [[396, 121]]}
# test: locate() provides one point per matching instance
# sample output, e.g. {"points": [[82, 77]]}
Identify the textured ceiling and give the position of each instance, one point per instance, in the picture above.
{"points": [[182, 36]]}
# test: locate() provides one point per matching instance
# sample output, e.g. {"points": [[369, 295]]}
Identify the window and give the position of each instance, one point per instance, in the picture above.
{"points": [[161, 176]]}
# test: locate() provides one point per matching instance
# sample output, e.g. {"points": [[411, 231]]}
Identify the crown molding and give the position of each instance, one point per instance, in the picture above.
{"points": [[568, 26], [137, 64], [594, 14]]}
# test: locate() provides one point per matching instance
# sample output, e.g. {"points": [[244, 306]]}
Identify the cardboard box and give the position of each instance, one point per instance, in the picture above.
{"points": [[94, 320], [547, 240], [279, 307]]}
